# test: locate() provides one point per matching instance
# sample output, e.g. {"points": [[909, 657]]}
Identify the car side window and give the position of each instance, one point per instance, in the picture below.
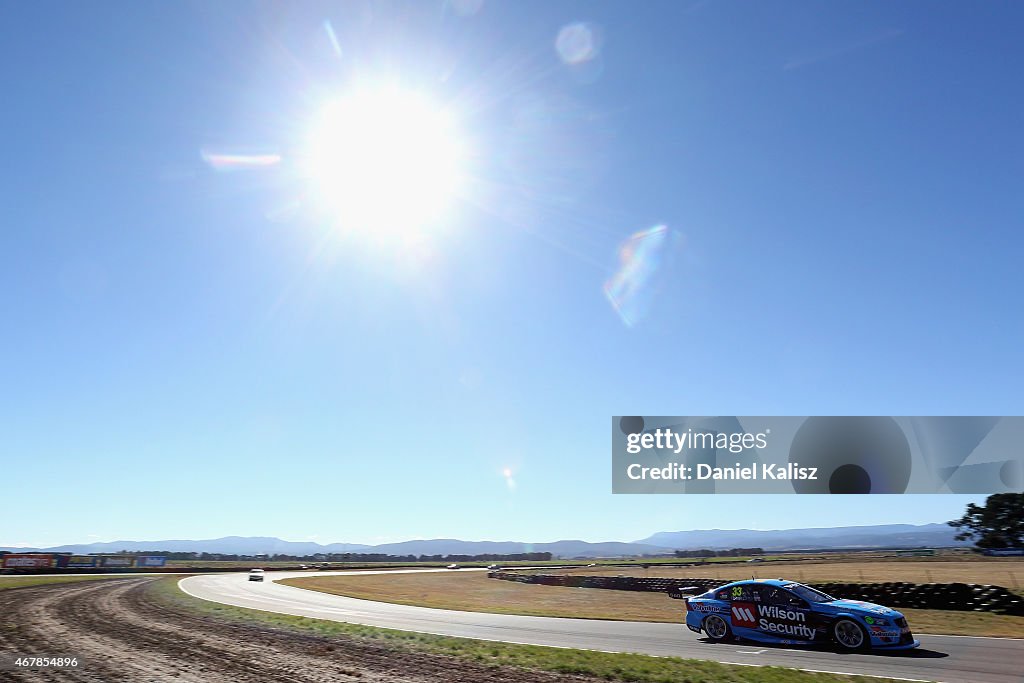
{"points": [[741, 593], [783, 598]]}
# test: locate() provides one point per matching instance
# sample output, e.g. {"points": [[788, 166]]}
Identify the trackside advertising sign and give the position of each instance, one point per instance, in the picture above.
{"points": [[844, 455], [82, 561], [151, 561], [29, 561], [117, 561]]}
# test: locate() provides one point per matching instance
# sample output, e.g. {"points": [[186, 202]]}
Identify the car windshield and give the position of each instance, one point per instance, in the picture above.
{"points": [[807, 593]]}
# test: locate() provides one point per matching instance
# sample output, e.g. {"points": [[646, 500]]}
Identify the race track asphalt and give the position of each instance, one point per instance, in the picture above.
{"points": [[948, 659]]}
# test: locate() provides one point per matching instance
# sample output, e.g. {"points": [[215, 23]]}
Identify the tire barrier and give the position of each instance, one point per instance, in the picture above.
{"points": [[944, 596]]}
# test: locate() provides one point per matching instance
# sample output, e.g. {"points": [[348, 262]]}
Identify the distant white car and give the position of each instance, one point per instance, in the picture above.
{"points": [[453, 566], [493, 567], [255, 574]]}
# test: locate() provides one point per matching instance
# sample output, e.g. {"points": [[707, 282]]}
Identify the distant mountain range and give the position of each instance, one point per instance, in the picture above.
{"points": [[229, 545], [881, 536], [885, 535], [557, 548]]}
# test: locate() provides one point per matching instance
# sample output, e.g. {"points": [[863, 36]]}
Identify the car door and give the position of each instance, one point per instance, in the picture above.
{"points": [[743, 608], [783, 615]]}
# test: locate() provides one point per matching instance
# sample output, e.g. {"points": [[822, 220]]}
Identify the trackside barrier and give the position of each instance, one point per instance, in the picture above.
{"points": [[945, 596]]}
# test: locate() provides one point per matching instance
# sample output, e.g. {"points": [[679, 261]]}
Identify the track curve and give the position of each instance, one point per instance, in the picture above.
{"points": [[949, 659]]}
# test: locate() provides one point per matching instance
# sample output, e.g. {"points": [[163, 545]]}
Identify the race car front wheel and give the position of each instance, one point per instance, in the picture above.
{"points": [[849, 635], [716, 628]]}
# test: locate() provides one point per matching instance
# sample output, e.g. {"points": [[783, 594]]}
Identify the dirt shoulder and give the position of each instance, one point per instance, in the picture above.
{"points": [[9, 582], [124, 632]]}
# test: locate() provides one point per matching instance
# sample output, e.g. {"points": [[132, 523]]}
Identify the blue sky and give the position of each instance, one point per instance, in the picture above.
{"points": [[191, 352]]}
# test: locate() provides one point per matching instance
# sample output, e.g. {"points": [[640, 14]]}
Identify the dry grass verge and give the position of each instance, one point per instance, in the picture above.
{"points": [[999, 572]]}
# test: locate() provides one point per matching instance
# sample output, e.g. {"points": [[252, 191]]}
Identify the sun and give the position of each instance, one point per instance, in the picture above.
{"points": [[385, 162]]}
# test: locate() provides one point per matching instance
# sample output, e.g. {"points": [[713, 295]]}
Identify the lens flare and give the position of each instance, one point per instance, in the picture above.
{"points": [[333, 37], [632, 289], [577, 43], [239, 162]]}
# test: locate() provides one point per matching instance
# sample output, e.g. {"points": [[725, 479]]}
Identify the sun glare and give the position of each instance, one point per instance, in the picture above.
{"points": [[385, 162]]}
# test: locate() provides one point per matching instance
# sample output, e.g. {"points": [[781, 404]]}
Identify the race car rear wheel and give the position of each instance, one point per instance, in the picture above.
{"points": [[717, 628], [849, 635]]}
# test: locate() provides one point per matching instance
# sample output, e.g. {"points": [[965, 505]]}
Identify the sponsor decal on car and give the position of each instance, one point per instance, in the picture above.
{"points": [[879, 632], [744, 614], [773, 619], [705, 607]]}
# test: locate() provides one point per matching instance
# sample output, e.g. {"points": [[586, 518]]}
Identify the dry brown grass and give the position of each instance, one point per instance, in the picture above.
{"points": [[1000, 573], [474, 592]]}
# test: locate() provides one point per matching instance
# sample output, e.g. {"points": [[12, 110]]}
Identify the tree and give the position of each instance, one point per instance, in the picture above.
{"points": [[999, 523]]}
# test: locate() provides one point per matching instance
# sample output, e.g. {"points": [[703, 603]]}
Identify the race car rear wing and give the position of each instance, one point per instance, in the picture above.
{"points": [[682, 593]]}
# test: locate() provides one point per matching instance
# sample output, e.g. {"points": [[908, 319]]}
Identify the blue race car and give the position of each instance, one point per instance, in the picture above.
{"points": [[789, 613]]}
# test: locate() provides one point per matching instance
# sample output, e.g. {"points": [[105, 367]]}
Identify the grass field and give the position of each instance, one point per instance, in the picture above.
{"points": [[22, 581], [587, 664], [1000, 572], [474, 592]]}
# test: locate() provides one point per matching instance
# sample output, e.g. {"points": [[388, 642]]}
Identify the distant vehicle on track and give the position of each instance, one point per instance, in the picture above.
{"points": [[493, 567], [255, 574], [790, 613], [453, 566]]}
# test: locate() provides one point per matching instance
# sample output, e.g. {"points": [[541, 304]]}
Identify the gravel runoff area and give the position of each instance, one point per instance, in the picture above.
{"points": [[123, 632]]}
